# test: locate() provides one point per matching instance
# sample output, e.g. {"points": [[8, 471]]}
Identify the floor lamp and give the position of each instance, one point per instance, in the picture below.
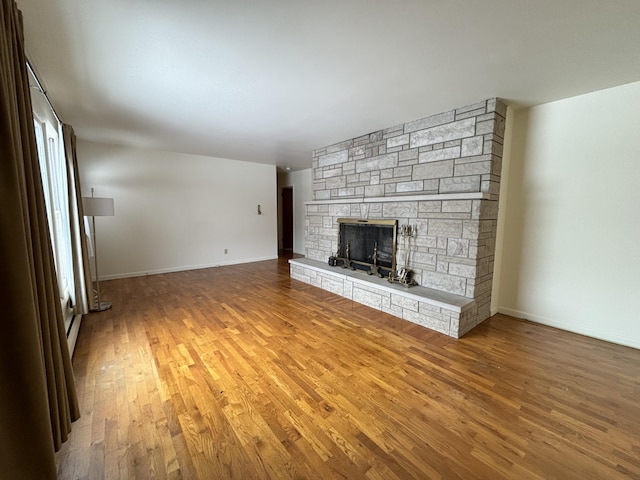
{"points": [[97, 207]]}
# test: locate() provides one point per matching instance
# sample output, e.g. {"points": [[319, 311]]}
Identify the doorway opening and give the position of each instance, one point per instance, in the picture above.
{"points": [[287, 218]]}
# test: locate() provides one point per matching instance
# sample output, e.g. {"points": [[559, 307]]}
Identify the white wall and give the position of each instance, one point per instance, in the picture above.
{"points": [[301, 182], [570, 255], [176, 211]]}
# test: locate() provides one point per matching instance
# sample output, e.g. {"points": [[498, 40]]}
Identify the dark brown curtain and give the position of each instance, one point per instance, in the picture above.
{"points": [[81, 269], [37, 392]]}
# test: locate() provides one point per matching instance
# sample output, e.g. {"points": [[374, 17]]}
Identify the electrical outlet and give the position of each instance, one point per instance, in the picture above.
{"points": [[226, 251]]}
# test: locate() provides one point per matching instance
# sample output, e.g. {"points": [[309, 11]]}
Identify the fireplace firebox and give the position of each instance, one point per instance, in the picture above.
{"points": [[368, 245]]}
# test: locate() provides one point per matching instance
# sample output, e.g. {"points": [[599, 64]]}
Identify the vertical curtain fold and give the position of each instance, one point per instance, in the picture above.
{"points": [[81, 270], [37, 391]]}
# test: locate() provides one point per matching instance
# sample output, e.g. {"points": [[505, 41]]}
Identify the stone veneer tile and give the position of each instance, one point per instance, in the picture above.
{"points": [[314, 220], [339, 210], [444, 133], [333, 158], [425, 241], [376, 136], [474, 158], [445, 228], [498, 106], [460, 184], [398, 141], [472, 113], [394, 310], [374, 191], [489, 210], [375, 210], [333, 285], [485, 127], [433, 322], [415, 186], [349, 168], [482, 105], [335, 182], [431, 170], [380, 162], [408, 155], [400, 210], [457, 247], [346, 192], [459, 270], [355, 151], [331, 172], [445, 282], [493, 148], [449, 215], [361, 140], [473, 168], [400, 172], [470, 229], [431, 186], [440, 154], [348, 289], [404, 302], [387, 174], [430, 207], [336, 147], [442, 267], [472, 146], [368, 298], [391, 131], [423, 123], [456, 206], [501, 124], [424, 258]]}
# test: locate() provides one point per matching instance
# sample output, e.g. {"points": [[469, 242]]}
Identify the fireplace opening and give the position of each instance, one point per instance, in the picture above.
{"points": [[367, 245]]}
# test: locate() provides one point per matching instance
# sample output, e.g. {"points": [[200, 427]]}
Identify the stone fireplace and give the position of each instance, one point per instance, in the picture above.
{"points": [[440, 174], [368, 245]]}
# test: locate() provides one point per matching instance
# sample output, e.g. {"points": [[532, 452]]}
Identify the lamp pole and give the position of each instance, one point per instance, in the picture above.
{"points": [[99, 306]]}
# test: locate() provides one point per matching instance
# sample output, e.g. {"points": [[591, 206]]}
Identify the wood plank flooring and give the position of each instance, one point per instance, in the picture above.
{"points": [[241, 373]]}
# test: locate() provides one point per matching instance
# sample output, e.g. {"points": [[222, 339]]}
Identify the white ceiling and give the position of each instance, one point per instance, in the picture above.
{"points": [[270, 80]]}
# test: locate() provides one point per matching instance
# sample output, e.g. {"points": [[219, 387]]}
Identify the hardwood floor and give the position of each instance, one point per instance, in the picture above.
{"points": [[239, 372]]}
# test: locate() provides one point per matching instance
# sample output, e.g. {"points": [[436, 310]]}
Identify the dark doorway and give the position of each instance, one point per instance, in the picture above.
{"points": [[287, 218]]}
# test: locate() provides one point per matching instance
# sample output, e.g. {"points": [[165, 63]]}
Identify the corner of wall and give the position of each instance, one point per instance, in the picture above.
{"points": [[504, 190]]}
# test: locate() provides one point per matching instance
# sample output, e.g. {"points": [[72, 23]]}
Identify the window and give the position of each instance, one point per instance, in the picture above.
{"points": [[54, 181]]}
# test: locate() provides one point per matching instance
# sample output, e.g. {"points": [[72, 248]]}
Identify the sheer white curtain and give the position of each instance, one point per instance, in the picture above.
{"points": [[79, 247]]}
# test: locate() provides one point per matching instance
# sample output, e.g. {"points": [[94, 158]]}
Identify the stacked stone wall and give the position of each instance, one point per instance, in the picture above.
{"points": [[440, 174], [459, 151]]}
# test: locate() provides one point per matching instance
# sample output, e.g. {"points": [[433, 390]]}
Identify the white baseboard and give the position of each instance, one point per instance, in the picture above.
{"points": [[116, 276], [72, 336], [571, 327]]}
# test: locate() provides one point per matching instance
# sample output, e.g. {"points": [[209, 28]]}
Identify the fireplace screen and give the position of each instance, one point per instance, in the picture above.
{"points": [[367, 245]]}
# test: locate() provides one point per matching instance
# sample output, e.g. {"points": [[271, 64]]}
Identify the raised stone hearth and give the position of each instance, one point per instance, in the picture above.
{"points": [[443, 312], [441, 174]]}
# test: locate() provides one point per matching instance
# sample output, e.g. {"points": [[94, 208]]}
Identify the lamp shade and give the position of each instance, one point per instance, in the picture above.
{"points": [[97, 206]]}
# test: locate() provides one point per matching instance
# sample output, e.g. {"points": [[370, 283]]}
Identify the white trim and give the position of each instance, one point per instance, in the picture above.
{"points": [[407, 198], [72, 335], [182, 269], [607, 336]]}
